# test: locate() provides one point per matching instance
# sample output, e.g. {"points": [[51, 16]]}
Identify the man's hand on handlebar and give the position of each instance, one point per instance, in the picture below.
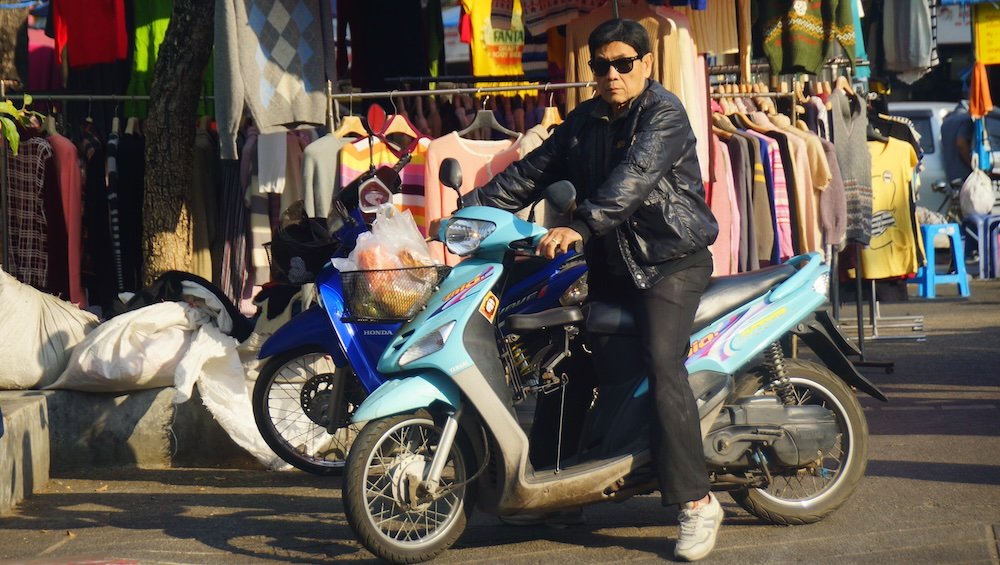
{"points": [[434, 228], [558, 241]]}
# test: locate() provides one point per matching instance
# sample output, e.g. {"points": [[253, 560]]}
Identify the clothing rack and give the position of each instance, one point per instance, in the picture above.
{"points": [[717, 95], [466, 79], [463, 90], [833, 65], [89, 97]]}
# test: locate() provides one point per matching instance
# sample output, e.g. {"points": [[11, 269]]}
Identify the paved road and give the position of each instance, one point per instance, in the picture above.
{"points": [[932, 493]]}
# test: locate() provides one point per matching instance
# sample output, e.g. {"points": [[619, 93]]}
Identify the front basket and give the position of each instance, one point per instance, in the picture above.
{"points": [[389, 295]]}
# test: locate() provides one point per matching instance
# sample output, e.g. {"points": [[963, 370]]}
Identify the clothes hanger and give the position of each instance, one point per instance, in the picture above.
{"points": [[351, 125], [845, 84], [132, 124], [399, 123], [875, 135], [486, 119], [50, 124], [550, 115], [115, 122]]}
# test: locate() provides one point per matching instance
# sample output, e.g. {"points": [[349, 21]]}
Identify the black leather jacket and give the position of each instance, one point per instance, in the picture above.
{"points": [[639, 177]]}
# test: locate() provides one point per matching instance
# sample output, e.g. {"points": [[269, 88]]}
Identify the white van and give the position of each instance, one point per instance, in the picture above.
{"points": [[927, 118]]}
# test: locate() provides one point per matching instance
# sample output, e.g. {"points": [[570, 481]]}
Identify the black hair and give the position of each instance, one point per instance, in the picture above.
{"points": [[629, 32]]}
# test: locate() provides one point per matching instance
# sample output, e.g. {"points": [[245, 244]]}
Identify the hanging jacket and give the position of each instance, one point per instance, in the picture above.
{"points": [[637, 177]]}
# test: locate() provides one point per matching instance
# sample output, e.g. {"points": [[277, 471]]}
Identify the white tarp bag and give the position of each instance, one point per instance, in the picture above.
{"points": [[135, 350], [175, 344], [976, 195], [212, 362], [38, 334]]}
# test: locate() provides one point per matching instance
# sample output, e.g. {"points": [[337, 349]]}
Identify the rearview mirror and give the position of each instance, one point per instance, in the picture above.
{"points": [[378, 190], [375, 119], [450, 175]]}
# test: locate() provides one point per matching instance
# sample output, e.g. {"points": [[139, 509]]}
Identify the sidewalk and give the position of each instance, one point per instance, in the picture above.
{"points": [[931, 494]]}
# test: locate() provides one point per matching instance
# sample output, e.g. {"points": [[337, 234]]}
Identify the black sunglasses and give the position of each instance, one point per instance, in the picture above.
{"points": [[602, 67]]}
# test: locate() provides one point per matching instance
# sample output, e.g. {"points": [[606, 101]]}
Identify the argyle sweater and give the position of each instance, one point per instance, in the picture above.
{"points": [[275, 56]]}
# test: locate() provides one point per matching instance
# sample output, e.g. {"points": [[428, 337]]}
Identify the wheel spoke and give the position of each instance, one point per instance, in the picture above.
{"points": [[401, 451]]}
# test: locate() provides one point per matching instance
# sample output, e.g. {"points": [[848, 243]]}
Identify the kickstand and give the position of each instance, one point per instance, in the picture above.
{"points": [[562, 407]]}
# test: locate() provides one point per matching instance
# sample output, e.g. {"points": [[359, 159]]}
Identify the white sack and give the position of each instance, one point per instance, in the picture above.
{"points": [[214, 364], [37, 335], [134, 350]]}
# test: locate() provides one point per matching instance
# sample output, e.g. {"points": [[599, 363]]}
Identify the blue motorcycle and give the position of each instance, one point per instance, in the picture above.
{"points": [[321, 365], [786, 437]]}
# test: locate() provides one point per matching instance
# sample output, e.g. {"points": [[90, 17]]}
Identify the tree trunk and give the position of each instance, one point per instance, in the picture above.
{"points": [[170, 130]]}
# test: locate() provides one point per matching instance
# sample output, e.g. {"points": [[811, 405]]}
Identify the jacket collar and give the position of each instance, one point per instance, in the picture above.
{"points": [[602, 110]]}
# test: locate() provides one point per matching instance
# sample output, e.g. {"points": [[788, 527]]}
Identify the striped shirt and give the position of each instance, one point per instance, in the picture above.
{"points": [[356, 157]]}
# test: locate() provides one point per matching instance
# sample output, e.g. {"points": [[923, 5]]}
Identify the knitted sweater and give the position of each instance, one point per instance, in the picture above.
{"points": [[798, 35], [275, 56], [850, 134]]}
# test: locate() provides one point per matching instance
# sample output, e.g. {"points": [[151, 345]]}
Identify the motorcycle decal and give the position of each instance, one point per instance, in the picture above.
{"points": [[465, 290], [699, 344], [519, 302], [762, 322], [706, 346], [489, 306], [744, 336]]}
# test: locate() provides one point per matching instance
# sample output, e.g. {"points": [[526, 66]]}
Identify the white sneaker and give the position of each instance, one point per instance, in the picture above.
{"points": [[698, 528]]}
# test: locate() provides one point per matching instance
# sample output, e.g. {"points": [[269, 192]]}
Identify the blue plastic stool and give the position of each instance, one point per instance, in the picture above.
{"points": [[979, 226], [928, 277], [993, 250]]}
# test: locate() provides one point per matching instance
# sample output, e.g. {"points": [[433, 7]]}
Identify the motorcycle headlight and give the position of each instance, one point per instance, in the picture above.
{"points": [[428, 344], [576, 293], [463, 236], [822, 284]]}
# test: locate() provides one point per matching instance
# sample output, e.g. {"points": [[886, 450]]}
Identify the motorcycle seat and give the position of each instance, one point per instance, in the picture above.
{"points": [[723, 294], [726, 293], [551, 318]]}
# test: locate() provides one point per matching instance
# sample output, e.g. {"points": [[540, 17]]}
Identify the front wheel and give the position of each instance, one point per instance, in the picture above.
{"points": [[292, 408], [806, 495], [382, 501]]}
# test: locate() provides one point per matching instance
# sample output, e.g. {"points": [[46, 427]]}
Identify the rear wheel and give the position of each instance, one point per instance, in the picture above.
{"points": [[382, 500], [806, 495], [291, 406]]}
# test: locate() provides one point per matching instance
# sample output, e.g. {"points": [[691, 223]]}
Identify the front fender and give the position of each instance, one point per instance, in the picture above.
{"points": [[311, 327], [401, 396]]}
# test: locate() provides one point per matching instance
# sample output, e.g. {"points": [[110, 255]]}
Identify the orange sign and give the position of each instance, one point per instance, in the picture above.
{"points": [[489, 306]]}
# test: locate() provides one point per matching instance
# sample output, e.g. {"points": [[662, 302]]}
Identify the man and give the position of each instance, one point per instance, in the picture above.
{"points": [[646, 228], [956, 142]]}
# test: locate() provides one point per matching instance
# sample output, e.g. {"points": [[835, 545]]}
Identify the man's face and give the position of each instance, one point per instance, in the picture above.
{"points": [[617, 88]]}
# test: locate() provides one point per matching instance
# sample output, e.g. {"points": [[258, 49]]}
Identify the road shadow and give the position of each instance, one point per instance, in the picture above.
{"points": [[962, 473], [259, 520]]}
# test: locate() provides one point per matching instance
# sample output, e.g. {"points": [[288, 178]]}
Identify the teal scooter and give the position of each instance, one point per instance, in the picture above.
{"points": [[786, 437]]}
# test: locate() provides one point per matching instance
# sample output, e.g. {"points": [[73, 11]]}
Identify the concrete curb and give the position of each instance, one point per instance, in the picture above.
{"points": [[24, 449], [67, 431]]}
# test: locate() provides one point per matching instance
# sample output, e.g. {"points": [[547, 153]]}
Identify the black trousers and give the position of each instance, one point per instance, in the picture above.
{"points": [[664, 315]]}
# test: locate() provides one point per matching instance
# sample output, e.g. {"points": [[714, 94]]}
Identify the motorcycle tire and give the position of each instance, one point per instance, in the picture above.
{"points": [[779, 503], [376, 490], [290, 406]]}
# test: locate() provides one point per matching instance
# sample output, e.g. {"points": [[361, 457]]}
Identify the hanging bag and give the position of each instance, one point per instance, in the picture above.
{"points": [[976, 195]]}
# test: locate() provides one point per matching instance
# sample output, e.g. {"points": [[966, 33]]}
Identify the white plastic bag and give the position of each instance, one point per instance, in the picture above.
{"points": [[38, 334], [135, 350], [976, 195], [393, 243]]}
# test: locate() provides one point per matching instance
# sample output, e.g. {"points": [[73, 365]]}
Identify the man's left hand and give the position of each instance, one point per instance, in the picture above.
{"points": [[558, 241]]}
